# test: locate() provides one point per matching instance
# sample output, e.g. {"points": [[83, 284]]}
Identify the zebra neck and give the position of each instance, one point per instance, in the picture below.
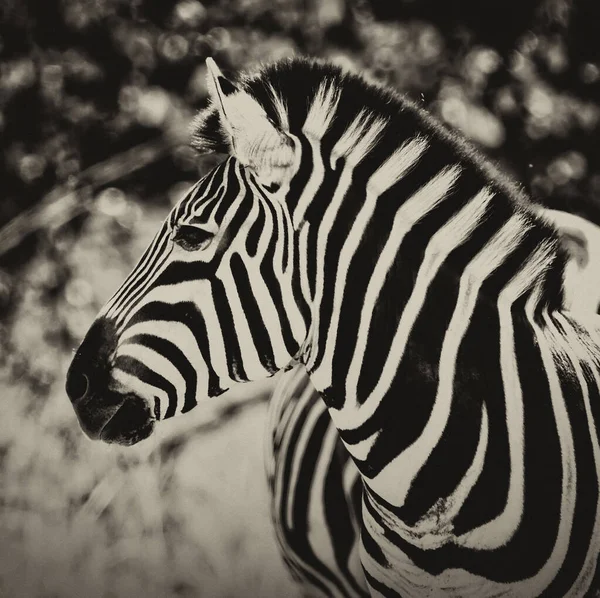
{"points": [[411, 280], [396, 257]]}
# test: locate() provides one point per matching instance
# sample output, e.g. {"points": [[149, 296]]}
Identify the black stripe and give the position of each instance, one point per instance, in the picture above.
{"points": [[256, 230], [586, 497], [235, 364], [284, 233], [301, 177], [187, 313], [178, 271], [176, 356], [136, 368], [256, 324], [274, 286], [303, 305]]}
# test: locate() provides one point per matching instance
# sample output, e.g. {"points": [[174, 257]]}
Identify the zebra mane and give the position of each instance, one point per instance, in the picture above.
{"points": [[288, 91]]}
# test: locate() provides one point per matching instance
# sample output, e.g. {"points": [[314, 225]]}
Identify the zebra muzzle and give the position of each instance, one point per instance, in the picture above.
{"points": [[114, 418], [104, 413], [130, 423]]}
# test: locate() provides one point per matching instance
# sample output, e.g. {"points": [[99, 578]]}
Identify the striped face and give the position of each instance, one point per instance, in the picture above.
{"points": [[210, 304], [216, 298]]}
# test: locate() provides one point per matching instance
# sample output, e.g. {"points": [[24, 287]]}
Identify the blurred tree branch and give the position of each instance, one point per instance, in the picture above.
{"points": [[62, 204]]}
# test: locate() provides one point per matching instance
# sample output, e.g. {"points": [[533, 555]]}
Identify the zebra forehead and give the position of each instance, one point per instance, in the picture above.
{"points": [[208, 192]]}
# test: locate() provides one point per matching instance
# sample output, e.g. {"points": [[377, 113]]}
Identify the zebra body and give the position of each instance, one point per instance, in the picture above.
{"points": [[313, 482], [315, 491], [353, 233]]}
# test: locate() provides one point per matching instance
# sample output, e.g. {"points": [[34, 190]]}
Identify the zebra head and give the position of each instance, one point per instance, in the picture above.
{"points": [[215, 299]]}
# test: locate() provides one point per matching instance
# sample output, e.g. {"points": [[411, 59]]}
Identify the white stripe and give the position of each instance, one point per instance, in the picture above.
{"points": [[456, 230], [400, 162], [303, 262], [500, 530], [280, 108], [315, 126], [134, 384], [389, 484], [358, 139], [578, 352], [364, 141]]}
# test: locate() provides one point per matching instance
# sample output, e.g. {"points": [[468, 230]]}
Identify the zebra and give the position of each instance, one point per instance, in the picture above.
{"points": [[349, 231], [315, 491], [323, 492], [581, 240]]}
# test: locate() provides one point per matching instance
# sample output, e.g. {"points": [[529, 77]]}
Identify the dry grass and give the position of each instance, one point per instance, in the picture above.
{"points": [[184, 513]]}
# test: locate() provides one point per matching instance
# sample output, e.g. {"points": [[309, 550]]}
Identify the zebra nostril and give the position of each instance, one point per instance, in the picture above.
{"points": [[77, 386]]}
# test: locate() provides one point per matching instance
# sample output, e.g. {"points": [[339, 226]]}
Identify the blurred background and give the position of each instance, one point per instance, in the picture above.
{"points": [[96, 97]]}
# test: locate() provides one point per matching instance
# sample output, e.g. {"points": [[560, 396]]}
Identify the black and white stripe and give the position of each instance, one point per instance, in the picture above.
{"points": [[315, 491], [352, 232]]}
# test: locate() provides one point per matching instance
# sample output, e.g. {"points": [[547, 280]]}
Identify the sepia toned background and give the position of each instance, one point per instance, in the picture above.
{"points": [[95, 101]]}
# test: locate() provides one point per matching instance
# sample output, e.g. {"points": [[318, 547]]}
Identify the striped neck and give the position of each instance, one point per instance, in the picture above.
{"points": [[401, 245]]}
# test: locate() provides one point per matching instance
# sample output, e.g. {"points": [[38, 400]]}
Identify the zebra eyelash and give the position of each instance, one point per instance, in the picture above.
{"points": [[192, 238]]}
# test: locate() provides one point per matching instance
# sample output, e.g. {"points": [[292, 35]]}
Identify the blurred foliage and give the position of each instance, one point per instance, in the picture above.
{"points": [[82, 81], [95, 100]]}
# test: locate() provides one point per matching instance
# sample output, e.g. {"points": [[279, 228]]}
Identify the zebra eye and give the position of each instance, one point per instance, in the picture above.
{"points": [[192, 238]]}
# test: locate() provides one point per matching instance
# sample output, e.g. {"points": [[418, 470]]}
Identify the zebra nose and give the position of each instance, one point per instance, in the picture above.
{"points": [[89, 370], [78, 385]]}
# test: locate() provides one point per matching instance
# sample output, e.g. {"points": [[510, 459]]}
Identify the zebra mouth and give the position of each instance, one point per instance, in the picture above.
{"points": [[131, 423]]}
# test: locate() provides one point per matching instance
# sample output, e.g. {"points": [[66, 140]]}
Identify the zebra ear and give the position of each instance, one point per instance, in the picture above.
{"points": [[255, 140], [580, 239]]}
